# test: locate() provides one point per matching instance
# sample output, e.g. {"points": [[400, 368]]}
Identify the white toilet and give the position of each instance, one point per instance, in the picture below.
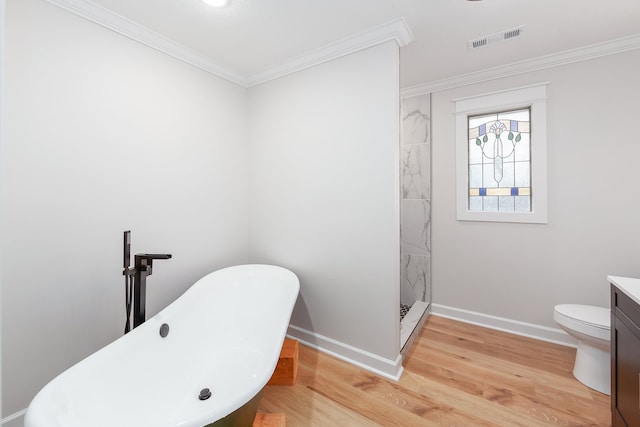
{"points": [[591, 326]]}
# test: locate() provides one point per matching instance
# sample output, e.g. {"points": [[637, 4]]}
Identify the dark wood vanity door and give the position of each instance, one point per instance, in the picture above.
{"points": [[625, 361]]}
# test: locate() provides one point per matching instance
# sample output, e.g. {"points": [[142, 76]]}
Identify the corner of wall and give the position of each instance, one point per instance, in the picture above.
{"points": [[391, 369], [2, 30]]}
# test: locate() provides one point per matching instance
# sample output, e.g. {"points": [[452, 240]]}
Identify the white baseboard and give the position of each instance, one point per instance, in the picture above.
{"points": [[391, 369], [15, 419], [543, 333]]}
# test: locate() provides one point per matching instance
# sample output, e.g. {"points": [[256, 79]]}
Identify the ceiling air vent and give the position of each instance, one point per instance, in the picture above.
{"points": [[495, 38]]}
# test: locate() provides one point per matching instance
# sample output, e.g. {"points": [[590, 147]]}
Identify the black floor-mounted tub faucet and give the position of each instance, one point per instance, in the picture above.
{"points": [[136, 281]]}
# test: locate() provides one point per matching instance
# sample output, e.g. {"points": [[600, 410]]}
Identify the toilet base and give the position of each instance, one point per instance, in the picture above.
{"points": [[593, 367]]}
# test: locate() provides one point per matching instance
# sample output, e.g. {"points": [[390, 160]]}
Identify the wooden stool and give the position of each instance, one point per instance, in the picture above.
{"points": [[287, 368], [270, 420]]}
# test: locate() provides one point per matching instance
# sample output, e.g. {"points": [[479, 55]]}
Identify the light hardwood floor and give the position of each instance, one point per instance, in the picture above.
{"points": [[456, 375]]}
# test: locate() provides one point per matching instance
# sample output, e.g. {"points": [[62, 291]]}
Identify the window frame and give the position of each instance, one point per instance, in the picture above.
{"points": [[533, 97]]}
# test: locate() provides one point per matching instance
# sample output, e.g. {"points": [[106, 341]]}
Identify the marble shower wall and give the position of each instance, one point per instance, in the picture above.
{"points": [[415, 225]]}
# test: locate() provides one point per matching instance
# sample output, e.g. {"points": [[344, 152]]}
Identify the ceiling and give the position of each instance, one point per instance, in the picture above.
{"points": [[250, 37]]}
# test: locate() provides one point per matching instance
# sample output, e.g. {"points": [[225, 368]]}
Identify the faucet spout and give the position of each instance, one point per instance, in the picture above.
{"points": [[154, 256], [144, 262]]}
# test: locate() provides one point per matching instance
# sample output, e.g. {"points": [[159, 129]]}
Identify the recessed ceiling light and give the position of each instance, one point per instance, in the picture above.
{"points": [[217, 3]]}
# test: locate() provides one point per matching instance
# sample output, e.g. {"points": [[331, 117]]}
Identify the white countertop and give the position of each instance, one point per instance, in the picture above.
{"points": [[628, 285]]}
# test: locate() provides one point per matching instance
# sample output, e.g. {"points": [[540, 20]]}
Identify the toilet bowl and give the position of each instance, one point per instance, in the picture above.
{"points": [[591, 326]]}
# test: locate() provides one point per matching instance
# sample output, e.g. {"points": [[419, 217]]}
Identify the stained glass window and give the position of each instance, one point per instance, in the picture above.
{"points": [[499, 160], [501, 166]]}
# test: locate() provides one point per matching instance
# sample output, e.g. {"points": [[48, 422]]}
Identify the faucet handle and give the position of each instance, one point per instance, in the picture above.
{"points": [[126, 252]]}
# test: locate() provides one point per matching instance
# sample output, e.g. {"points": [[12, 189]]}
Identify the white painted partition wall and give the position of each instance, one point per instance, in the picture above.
{"points": [[2, 27], [324, 195]]}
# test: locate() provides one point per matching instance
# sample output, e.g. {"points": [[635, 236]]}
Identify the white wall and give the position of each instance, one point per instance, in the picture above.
{"points": [[520, 271], [2, 27], [102, 135], [325, 199]]}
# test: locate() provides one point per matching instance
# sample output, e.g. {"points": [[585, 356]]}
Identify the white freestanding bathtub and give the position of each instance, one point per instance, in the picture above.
{"points": [[225, 335]]}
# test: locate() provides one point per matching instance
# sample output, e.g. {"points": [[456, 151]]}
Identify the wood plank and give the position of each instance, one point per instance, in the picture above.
{"points": [[305, 407], [270, 420], [456, 374], [286, 370], [356, 400], [432, 410], [445, 360]]}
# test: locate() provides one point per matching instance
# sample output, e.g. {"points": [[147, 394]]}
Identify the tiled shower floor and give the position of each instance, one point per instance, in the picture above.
{"points": [[410, 319], [404, 309]]}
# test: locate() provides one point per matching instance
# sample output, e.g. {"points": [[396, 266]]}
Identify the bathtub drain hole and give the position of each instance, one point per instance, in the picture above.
{"points": [[164, 330], [205, 393]]}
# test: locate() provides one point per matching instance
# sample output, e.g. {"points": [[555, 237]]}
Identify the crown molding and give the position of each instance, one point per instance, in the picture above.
{"points": [[396, 30], [549, 61], [121, 25]]}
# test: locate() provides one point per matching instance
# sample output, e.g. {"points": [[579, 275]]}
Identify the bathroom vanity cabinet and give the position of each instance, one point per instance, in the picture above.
{"points": [[625, 351]]}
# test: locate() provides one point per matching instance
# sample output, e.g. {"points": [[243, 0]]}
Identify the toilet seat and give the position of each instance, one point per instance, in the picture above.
{"points": [[586, 319]]}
